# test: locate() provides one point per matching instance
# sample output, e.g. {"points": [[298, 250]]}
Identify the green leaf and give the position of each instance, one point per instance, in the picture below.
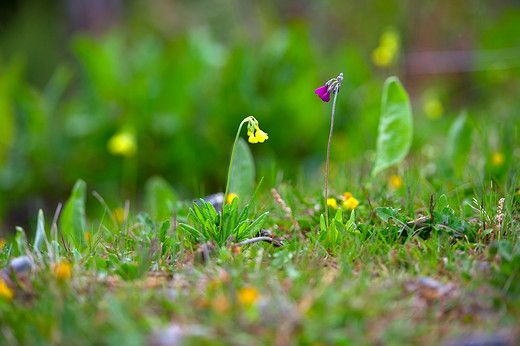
{"points": [[386, 213], [73, 220], [160, 198], [459, 142], [21, 241], [394, 137], [242, 172], [40, 231]]}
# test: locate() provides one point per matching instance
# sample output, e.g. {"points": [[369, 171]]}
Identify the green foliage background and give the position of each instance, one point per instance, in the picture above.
{"points": [[182, 75]]}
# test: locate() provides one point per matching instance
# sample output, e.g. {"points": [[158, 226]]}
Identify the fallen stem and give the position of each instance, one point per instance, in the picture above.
{"points": [[259, 239]]}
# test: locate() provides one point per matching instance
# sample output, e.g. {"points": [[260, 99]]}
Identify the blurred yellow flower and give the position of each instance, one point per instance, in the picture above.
{"points": [[350, 204], [63, 271], [88, 237], [433, 108], [119, 215], [498, 159], [5, 291], [2, 242], [230, 197], [248, 295], [387, 51], [382, 57], [331, 202], [122, 143], [396, 182]]}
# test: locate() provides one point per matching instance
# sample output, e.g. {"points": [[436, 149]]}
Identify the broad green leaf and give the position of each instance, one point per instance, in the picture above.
{"points": [[160, 198], [73, 220], [459, 142], [394, 137], [242, 172], [40, 231]]}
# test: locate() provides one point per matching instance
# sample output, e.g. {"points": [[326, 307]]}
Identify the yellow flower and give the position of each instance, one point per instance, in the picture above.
{"points": [[2, 242], [88, 237], [252, 139], [433, 108], [230, 197], [498, 159], [5, 291], [63, 271], [331, 202], [396, 182], [122, 143], [261, 136], [349, 202], [248, 295], [255, 134]]}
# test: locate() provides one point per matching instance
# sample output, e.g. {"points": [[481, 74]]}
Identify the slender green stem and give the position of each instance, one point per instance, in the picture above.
{"points": [[229, 170], [327, 163]]}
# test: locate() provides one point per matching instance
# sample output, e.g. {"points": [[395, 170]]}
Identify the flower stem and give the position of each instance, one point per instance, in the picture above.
{"points": [[327, 163], [229, 170]]}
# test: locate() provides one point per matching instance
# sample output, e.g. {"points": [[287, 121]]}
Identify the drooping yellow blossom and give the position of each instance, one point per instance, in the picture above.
{"points": [[5, 291], [253, 131], [248, 296], [396, 182], [331, 202], [498, 159], [63, 271], [350, 203], [433, 108], [122, 143], [230, 197]]}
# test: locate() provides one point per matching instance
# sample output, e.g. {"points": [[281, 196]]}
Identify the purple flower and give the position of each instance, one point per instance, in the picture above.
{"points": [[323, 92]]}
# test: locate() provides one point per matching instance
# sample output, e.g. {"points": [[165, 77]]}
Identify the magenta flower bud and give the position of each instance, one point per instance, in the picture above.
{"points": [[323, 92]]}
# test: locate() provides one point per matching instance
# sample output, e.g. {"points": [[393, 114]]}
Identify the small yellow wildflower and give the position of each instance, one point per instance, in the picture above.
{"points": [[331, 202], [433, 108], [396, 182], [88, 237], [248, 296], [498, 159], [350, 204], [230, 197], [253, 131], [2, 242], [122, 143], [63, 271], [5, 291]]}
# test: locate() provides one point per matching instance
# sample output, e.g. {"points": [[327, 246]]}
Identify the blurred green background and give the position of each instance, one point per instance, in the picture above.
{"points": [[115, 92]]}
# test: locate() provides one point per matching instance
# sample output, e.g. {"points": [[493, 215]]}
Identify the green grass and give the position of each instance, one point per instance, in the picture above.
{"points": [[389, 281]]}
